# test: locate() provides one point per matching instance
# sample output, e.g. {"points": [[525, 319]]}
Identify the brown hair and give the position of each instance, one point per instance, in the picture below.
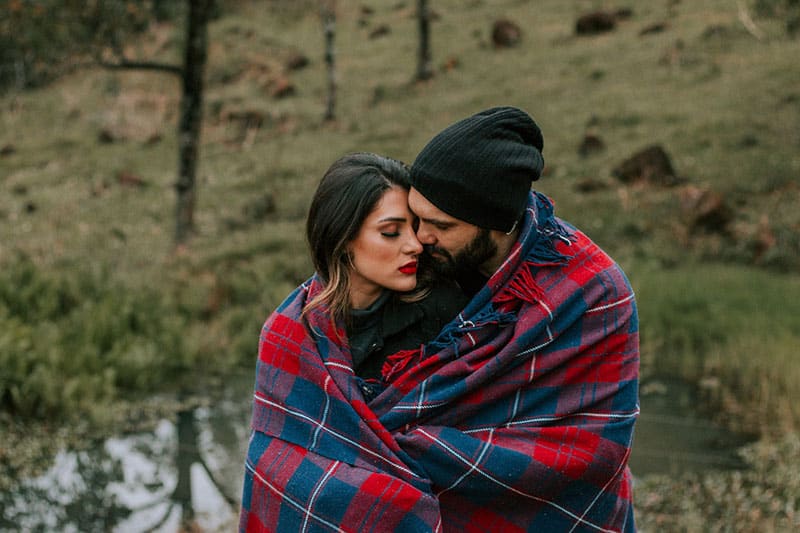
{"points": [[346, 195]]}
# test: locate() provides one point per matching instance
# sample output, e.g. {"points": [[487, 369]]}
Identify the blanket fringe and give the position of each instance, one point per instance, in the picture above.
{"points": [[544, 252], [396, 363], [522, 286]]}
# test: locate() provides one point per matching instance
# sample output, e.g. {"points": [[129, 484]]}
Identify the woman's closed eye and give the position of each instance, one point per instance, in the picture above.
{"points": [[393, 227], [391, 231]]}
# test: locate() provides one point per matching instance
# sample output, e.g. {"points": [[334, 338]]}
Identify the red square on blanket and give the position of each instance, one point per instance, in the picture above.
{"points": [[586, 264], [569, 450], [282, 333], [390, 490], [485, 520], [603, 363]]}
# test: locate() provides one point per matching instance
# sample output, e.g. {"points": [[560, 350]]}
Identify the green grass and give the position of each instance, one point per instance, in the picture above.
{"points": [[734, 330], [726, 107]]}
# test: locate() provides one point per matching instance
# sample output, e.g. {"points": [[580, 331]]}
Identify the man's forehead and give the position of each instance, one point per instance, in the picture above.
{"points": [[423, 208]]}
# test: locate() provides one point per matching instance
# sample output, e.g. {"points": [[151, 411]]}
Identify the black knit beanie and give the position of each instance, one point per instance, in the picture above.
{"points": [[480, 169]]}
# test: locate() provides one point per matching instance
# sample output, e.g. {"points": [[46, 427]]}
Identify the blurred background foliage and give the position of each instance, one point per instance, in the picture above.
{"points": [[70, 341], [43, 39]]}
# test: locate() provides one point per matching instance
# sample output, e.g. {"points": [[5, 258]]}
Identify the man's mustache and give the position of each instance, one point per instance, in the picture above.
{"points": [[429, 250]]}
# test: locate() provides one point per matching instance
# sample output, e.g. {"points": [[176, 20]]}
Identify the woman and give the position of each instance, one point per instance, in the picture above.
{"points": [[364, 248], [324, 352]]}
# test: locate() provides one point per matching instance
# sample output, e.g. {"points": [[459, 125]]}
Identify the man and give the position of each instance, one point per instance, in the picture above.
{"points": [[470, 188], [542, 386]]}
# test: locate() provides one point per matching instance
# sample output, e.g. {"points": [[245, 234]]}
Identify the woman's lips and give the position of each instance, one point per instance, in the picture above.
{"points": [[409, 268]]}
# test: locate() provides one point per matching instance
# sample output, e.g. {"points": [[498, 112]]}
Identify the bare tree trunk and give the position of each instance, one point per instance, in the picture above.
{"points": [[424, 69], [191, 116], [328, 15]]}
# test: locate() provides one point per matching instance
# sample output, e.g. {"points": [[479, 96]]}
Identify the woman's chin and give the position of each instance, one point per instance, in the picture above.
{"points": [[405, 285]]}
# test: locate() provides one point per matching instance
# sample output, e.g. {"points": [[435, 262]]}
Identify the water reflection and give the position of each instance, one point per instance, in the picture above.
{"points": [[672, 437], [184, 476], [66, 498]]}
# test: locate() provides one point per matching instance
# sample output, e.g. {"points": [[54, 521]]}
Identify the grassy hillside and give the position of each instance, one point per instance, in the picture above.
{"points": [[89, 162], [96, 307]]}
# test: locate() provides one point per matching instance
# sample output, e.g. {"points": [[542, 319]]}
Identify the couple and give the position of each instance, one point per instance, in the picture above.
{"points": [[495, 389]]}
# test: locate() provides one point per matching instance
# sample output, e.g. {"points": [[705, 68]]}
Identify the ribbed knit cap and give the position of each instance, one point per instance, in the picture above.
{"points": [[480, 169]]}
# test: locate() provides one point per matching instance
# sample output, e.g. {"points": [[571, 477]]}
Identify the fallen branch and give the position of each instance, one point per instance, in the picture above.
{"points": [[142, 65], [120, 62]]}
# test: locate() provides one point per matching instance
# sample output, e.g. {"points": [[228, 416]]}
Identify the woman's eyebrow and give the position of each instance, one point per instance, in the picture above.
{"points": [[393, 219]]}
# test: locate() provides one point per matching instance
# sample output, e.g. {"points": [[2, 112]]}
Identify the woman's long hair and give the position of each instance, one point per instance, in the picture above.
{"points": [[347, 194]]}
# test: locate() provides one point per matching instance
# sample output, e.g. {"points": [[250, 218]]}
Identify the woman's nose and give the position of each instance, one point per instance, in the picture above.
{"points": [[412, 244]]}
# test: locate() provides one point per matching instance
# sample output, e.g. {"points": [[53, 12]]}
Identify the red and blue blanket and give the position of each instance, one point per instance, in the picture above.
{"points": [[519, 416]]}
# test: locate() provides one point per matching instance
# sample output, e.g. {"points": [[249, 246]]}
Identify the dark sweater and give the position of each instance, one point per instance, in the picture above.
{"points": [[391, 325], [471, 282]]}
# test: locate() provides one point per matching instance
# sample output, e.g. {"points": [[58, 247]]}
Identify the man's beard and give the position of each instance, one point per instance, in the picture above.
{"points": [[467, 260]]}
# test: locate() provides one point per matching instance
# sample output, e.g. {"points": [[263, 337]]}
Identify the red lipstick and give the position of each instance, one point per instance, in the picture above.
{"points": [[409, 268]]}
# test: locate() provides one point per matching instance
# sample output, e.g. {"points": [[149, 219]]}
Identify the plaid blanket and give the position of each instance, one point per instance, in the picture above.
{"points": [[518, 417]]}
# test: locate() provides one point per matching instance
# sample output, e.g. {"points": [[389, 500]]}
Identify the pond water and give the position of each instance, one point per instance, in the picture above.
{"points": [[672, 436], [187, 473]]}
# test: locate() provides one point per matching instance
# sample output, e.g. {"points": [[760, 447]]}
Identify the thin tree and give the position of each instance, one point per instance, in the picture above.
{"points": [[191, 116], [328, 16], [424, 69], [191, 108]]}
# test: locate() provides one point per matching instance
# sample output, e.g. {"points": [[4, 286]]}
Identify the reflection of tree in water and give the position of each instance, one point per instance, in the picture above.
{"points": [[138, 483], [68, 498], [105, 511], [188, 454]]}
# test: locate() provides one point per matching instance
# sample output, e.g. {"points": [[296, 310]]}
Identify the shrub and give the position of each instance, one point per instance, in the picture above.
{"points": [[73, 340]]}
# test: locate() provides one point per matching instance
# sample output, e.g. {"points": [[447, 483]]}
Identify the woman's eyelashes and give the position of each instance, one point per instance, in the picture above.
{"points": [[398, 226], [391, 231]]}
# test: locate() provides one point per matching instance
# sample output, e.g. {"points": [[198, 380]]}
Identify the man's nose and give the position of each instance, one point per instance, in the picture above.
{"points": [[425, 235]]}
